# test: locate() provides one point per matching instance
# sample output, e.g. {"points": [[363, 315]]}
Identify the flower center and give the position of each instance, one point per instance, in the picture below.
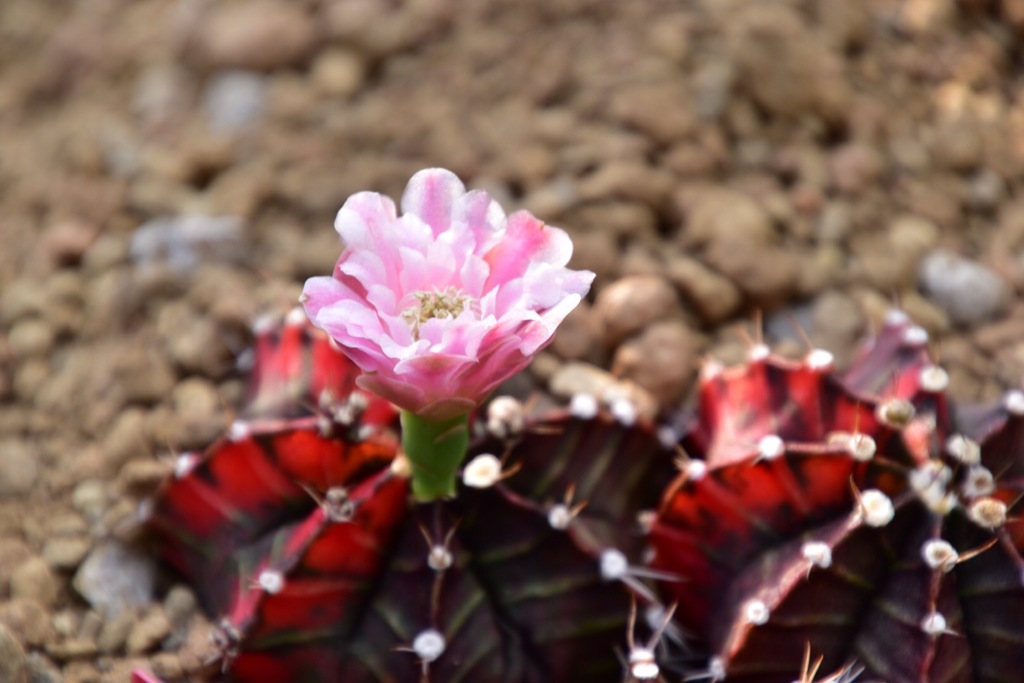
{"points": [[446, 304]]}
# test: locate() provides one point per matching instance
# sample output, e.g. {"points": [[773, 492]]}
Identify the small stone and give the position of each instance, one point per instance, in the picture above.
{"points": [[234, 100], [144, 373], [13, 552], [713, 296], [820, 269], [261, 34], [160, 95], [577, 336], [926, 16], [72, 648], [65, 623], [115, 632], [116, 577], [126, 438], [835, 223], [661, 359], [29, 620], [660, 111], [198, 412], [958, 145], [42, 670], [180, 605], [193, 340], [595, 251], [13, 662], [34, 580], [712, 87], [148, 632], [90, 498], [19, 468], [83, 672], [630, 304], [887, 260], [969, 292], [183, 242], [65, 242], [855, 167], [986, 190], [640, 259], [339, 72], [783, 66], [718, 214], [168, 666], [628, 180], [31, 337], [141, 476], [66, 552]]}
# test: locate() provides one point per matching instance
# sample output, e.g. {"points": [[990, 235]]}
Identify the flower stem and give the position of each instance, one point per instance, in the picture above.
{"points": [[435, 450]]}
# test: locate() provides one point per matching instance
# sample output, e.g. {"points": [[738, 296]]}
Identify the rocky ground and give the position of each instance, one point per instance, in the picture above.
{"points": [[169, 171]]}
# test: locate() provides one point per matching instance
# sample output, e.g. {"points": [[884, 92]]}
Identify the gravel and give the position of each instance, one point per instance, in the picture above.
{"points": [[171, 172]]}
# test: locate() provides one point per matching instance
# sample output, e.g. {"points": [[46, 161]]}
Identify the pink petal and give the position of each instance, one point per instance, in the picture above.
{"points": [[430, 195], [362, 214]]}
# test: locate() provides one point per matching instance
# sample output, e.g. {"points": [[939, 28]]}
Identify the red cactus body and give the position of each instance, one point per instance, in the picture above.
{"points": [[301, 537], [861, 516]]}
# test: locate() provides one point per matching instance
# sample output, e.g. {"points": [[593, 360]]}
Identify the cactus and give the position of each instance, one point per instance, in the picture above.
{"points": [[300, 536], [862, 515]]}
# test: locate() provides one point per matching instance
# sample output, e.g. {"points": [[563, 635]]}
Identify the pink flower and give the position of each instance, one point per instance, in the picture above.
{"points": [[442, 304]]}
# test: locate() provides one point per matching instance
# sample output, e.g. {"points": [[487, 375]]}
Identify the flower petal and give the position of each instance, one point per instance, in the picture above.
{"points": [[430, 195]]}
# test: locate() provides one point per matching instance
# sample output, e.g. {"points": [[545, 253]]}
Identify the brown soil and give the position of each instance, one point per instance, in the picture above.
{"points": [[816, 160]]}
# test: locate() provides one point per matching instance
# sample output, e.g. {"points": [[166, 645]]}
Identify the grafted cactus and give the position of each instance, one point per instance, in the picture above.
{"points": [[862, 515], [300, 536]]}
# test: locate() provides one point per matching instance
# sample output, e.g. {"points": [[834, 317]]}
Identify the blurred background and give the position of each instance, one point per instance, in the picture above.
{"points": [[170, 170]]}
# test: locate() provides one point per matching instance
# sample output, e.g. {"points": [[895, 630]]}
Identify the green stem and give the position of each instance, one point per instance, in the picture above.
{"points": [[435, 450]]}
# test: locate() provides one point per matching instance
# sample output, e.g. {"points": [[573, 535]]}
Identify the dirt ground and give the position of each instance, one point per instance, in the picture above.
{"points": [[169, 172]]}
